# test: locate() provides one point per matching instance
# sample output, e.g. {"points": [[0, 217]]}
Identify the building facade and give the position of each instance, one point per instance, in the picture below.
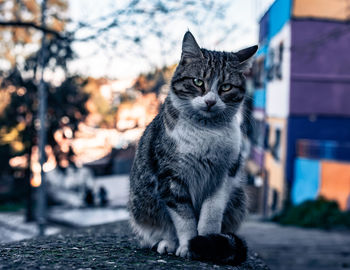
{"points": [[302, 103]]}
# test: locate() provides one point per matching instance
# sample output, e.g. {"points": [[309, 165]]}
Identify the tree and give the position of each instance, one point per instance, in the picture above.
{"points": [[129, 27], [125, 30], [66, 105], [19, 25]]}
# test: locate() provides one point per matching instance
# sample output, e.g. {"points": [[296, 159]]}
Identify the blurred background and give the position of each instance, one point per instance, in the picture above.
{"points": [[79, 82]]}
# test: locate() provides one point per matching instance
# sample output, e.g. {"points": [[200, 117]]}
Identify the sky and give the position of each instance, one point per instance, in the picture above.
{"points": [[121, 62]]}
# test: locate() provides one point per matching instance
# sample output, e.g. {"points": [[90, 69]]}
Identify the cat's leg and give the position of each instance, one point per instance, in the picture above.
{"points": [[214, 237], [168, 243], [144, 234], [235, 211], [179, 205], [185, 224], [149, 217], [212, 210], [163, 238]]}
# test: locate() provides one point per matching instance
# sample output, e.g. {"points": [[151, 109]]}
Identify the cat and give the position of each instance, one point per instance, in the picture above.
{"points": [[186, 194]]}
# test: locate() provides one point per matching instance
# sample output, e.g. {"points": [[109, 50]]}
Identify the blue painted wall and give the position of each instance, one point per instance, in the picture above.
{"points": [[319, 128], [320, 149], [307, 180], [262, 51], [279, 14], [259, 99]]}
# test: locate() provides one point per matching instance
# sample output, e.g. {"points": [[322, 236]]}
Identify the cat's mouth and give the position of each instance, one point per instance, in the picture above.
{"points": [[210, 109]]}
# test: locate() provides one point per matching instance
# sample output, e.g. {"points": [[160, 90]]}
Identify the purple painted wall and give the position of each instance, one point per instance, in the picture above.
{"points": [[263, 29], [257, 155], [320, 68]]}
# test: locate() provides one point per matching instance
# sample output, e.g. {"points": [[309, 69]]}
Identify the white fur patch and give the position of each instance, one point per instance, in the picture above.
{"points": [[192, 138], [213, 208], [196, 139], [186, 228]]}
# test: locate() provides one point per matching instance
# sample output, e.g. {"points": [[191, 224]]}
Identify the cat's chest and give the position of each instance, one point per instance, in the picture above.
{"points": [[204, 141]]}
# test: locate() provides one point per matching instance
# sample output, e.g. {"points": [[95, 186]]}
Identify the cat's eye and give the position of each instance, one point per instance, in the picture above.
{"points": [[226, 87], [198, 82]]}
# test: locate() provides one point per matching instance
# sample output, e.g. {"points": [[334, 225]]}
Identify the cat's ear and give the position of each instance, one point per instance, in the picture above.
{"points": [[245, 57], [190, 48]]}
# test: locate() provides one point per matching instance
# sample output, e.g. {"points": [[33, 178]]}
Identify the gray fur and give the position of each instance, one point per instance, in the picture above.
{"points": [[186, 177]]}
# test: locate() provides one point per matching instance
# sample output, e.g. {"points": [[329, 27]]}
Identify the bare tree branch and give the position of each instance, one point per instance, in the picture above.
{"points": [[31, 25]]}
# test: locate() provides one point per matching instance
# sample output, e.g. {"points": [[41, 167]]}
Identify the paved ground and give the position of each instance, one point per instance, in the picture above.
{"points": [[103, 247], [84, 217], [282, 248], [117, 187], [291, 248], [13, 227]]}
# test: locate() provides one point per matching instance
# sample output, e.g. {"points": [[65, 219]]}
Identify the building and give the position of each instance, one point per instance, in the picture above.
{"points": [[301, 76]]}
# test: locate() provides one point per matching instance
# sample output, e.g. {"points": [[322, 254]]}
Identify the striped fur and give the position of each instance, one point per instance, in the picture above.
{"points": [[187, 174]]}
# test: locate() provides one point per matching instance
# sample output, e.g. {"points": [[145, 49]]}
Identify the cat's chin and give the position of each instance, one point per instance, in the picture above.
{"points": [[208, 113]]}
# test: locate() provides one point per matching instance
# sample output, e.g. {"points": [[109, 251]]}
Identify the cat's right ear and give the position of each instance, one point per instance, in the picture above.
{"points": [[190, 48], [245, 57]]}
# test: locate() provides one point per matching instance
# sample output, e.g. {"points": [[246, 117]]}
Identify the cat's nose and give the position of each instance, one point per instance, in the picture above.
{"points": [[210, 102]]}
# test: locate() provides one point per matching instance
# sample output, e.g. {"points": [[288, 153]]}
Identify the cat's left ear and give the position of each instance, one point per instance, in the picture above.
{"points": [[245, 57]]}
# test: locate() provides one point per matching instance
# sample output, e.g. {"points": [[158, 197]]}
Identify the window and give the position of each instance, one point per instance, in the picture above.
{"points": [[275, 149]]}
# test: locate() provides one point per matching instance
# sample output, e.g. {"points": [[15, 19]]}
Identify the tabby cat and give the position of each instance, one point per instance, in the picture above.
{"points": [[185, 185]]}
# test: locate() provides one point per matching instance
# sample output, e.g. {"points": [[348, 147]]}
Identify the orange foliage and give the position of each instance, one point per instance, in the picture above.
{"points": [[28, 11], [32, 6]]}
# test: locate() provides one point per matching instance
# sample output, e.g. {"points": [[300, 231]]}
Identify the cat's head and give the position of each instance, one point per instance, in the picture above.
{"points": [[209, 84]]}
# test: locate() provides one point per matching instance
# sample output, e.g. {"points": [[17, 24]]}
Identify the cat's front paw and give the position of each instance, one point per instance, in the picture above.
{"points": [[183, 251], [166, 246]]}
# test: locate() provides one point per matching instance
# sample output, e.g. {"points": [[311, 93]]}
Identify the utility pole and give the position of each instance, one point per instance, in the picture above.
{"points": [[41, 201]]}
